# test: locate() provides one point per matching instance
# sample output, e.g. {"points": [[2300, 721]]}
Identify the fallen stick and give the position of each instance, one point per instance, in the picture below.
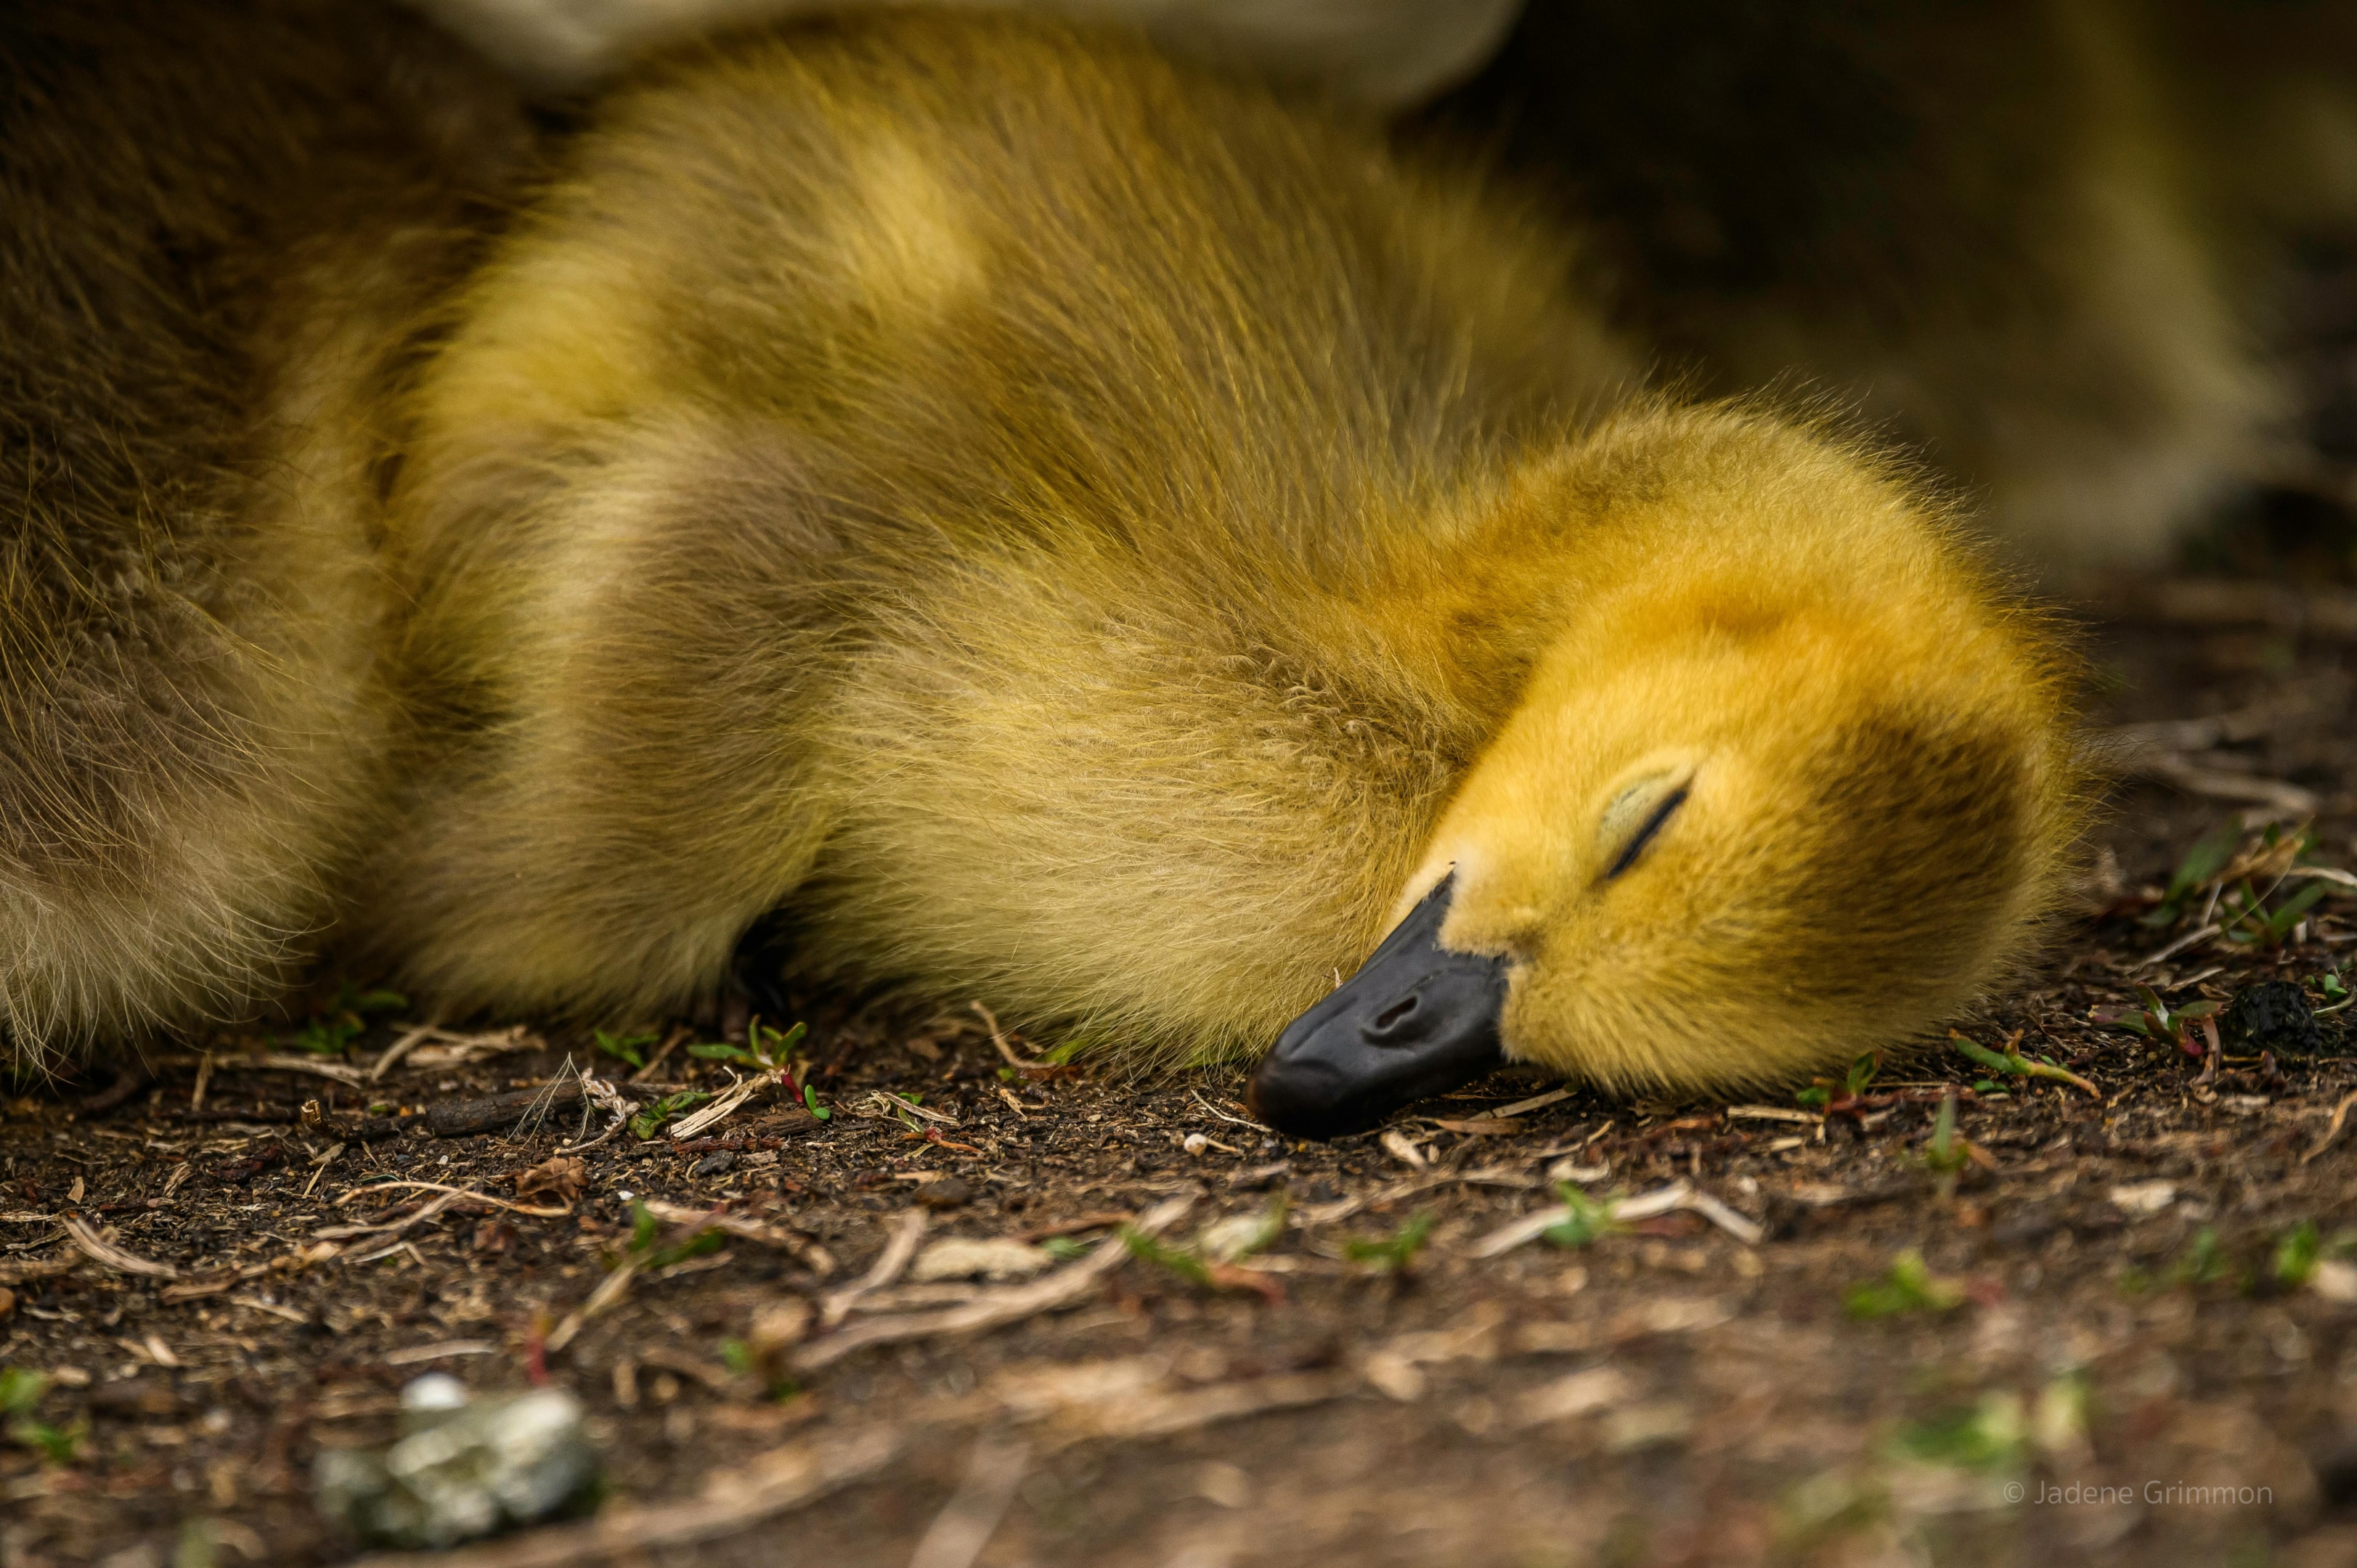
{"points": [[286, 1262], [1660, 1200], [1166, 1415], [38, 1269], [130, 1079], [2339, 1118], [1343, 1207], [107, 1255], [734, 1095], [459, 1118], [610, 1289], [971, 1517], [818, 1258], [1010, 1305], [897, 1250], [273, 1061], [351, 1195]]}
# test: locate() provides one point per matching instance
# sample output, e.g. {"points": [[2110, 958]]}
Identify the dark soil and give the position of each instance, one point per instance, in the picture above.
{"points": [[2109, 1302]]}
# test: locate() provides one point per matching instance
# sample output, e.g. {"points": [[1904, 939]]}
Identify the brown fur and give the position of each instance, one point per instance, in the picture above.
{"points": [[217, 228], [1075, 529]]}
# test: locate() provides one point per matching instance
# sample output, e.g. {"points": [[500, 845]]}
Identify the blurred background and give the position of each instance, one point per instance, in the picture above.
{"points": [[2090, 257]]}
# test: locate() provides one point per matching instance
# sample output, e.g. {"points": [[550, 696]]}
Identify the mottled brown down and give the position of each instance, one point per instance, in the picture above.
{"points": [[1060, 527]]}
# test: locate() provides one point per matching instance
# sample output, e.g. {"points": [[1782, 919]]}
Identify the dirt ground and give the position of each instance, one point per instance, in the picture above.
{"points": [[2139, 1292]]}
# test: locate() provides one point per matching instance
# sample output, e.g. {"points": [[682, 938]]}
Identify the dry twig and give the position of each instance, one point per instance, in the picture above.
{"points": [[107, 1255], [971, 1517], [992, 1308], [820, 1261], [899, 1249], [2340, 1117]]}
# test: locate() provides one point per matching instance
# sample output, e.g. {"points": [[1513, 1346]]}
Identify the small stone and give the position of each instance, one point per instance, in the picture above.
{"points": [[947, 1193], [2335, 1279], [2144, 1197], [780, 1326], [1581, 1393], [719, 1163], [1195, 1143], [434, 1391], [1226, 1240], [461, 1473], [2273, 1016], [1225, 1485], [1644, 1426]]}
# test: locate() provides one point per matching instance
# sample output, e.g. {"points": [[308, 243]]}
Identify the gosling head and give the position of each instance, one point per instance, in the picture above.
{"points": [[1751, 815]]}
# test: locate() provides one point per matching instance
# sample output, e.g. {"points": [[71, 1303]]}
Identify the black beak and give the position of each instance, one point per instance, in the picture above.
{"points": [[1417, 1020]]}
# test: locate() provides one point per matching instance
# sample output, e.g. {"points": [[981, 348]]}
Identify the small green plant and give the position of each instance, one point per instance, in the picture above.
{"points": [[1395, 1254], [2301, 1248], [2210, 855], [1949, 1152], [2335, 992], [2156, 1020], [1242, 1235], [646, 1250], [1178, 1261], [21, 1390], [1908, 1287], [1057, 1062], [2297, 1254], [765, 1049], [1824, 1093], [2249, 923], [1585, 1218], [330, 1031], [650, 1121], [768, 1050], [628, 1048], [1192, 1264], [741, 1358], [2203, 1262], [1991, 1435], [2013, 1064]]}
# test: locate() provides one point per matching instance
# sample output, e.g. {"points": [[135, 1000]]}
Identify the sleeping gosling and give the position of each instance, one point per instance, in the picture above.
{"points": [[1050, 524]]}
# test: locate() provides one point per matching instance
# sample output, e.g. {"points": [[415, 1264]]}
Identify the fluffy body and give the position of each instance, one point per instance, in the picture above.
{"points": [[1060, 527], [205, 289]]}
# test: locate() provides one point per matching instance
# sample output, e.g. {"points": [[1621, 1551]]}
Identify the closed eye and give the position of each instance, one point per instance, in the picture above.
{"points": [[1644, 835]]}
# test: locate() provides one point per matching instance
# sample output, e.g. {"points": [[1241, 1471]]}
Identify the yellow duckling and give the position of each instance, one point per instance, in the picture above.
{"points": [[1068, 528]]}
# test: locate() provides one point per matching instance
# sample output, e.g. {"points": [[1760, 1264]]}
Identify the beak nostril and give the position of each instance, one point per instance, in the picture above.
{"points": [[1415, 1020]]}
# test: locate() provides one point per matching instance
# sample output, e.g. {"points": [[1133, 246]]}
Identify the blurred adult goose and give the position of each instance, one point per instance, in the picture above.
{"points": [[1042, 523]]}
